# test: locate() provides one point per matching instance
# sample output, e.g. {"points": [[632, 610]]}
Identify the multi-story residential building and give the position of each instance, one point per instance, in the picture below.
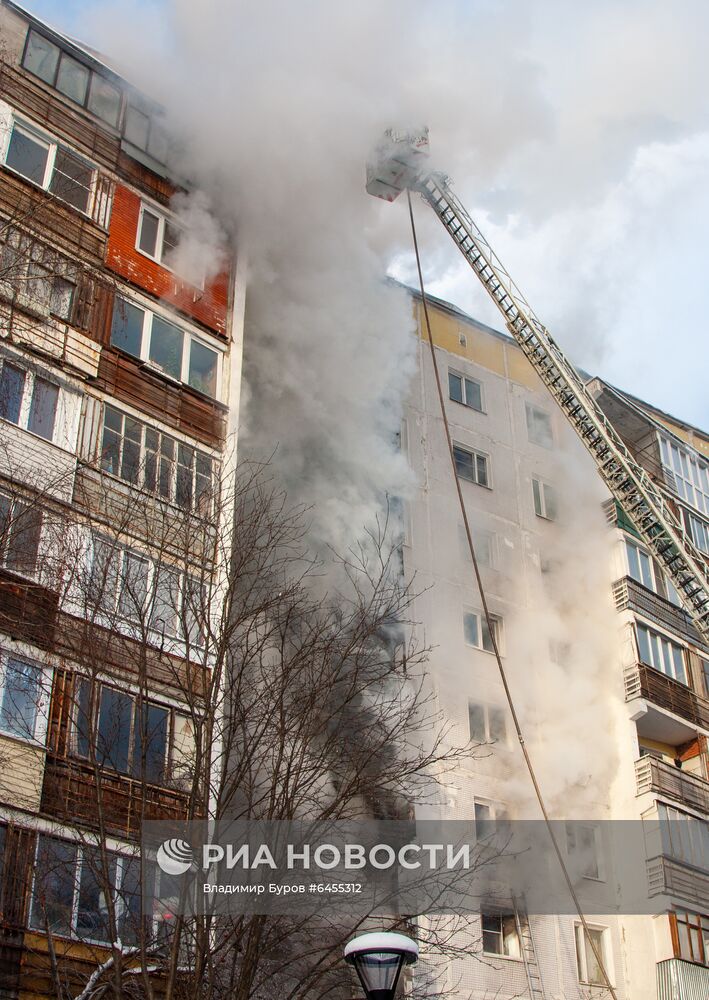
{"points": [[613, 700], [119, 381]]}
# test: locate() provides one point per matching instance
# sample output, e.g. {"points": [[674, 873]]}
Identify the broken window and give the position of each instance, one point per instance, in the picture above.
{"points": [[544, 500], [500, 935]]}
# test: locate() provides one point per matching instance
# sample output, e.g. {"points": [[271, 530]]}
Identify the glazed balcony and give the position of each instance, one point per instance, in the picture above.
{"points": [[658, 777]]}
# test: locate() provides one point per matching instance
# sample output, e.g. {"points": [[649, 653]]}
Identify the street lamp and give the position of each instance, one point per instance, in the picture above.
{"points": [[379, 959]]}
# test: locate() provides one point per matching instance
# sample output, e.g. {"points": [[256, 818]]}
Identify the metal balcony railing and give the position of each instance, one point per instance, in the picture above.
{"points": [[642, 681], [684, 882], [653, 775], [629, 594]]}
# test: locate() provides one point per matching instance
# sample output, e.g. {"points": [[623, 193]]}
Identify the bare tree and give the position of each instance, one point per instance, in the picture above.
{"points": [[202, 668]]}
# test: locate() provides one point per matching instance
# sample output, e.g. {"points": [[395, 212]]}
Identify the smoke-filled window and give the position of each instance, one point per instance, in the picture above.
{"points": [[500, 934], [487, 723], [539, 429], [471, 465], [544, 500], [477, 633]]}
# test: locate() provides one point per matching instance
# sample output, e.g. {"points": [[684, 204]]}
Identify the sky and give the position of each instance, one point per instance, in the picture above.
{"points": [[577, 135]]}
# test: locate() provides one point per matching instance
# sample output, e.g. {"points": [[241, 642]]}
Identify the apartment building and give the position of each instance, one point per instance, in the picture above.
{"points": [[119, 382], [609, 677]]}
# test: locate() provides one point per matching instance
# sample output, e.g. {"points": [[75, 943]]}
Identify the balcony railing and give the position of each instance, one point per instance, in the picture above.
{"points": [[668, 877], [679, 980], [642, 681], [653, 775], [70, 793], [629, 594]]}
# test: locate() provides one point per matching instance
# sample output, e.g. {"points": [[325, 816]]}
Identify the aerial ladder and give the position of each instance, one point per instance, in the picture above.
{"points": [[401, 163]]}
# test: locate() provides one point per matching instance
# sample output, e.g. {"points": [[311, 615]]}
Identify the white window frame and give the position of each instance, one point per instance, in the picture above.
{"points": [[699, 531], [544, 501], [660, 585], [122, 861], [30, 503], [532, 415], [475, 454], [501, 954], [488, 738], [464, 391], [109, 603], [658, 655], [53, 145], [19, 254], [497, 626], [41, 718], [580, 945], [164, 220], [689, 472], [198, 449], [188, 337], [28, 395]]}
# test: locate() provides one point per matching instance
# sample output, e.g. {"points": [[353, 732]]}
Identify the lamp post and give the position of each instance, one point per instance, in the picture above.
{"points": [[378, 960]]}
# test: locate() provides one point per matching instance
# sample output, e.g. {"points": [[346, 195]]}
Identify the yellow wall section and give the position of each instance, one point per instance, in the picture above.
{"points": [[21, 773], [506, 358], [483, 348]]}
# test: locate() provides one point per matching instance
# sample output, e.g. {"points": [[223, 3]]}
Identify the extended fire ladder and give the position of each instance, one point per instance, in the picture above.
{"points": [[529, 954], [399, 166]]}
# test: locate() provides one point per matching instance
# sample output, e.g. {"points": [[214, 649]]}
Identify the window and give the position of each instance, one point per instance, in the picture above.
{"points": [[157, 236], [471, 465], [488, 723], [126, 734], [53, 167], [544, 500], [156, 462], [43, 281], [28, 400], [705, 674], [658, 652], [587, 965], [72, 78], [692, 936], [699, 530], [690, 474], [75, 886], [20, 535], [639, 565], [465, 390], [130, 586], [684, 837], [477, 632], [582, 849], [164, 346], [539, 430], [501, 935], [485, 544], [21, 696], [642, 568], [143, 129]]}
